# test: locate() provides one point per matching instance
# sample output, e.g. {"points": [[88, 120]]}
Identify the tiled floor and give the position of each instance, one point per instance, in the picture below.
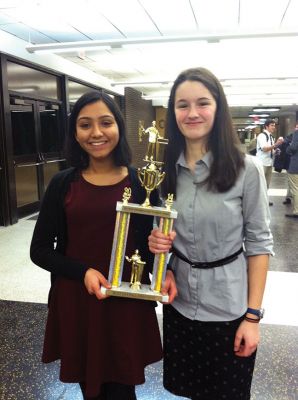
{"points": [[23, 296]]}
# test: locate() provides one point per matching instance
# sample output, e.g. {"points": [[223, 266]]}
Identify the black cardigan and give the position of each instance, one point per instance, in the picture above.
{"points": [[49, 239]]}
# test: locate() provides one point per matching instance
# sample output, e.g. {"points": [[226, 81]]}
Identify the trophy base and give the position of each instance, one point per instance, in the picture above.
{"points": [[145, 293]]}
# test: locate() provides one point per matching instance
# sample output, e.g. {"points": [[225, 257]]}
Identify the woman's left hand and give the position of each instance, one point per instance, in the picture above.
{"points": [[247, 339], [169, 287]]}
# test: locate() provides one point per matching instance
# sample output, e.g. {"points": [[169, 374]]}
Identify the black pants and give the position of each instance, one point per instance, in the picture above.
{"points": [[199, 359], [112, 391]]}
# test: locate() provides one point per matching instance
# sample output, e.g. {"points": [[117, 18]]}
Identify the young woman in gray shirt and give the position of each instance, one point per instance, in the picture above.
{"points": [[220, 246]]}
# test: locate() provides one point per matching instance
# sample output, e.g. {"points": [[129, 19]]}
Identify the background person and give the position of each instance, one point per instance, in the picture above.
{"points": [[211, 330], [266, 148], [282, 161], [292, 149], [103, 343]]}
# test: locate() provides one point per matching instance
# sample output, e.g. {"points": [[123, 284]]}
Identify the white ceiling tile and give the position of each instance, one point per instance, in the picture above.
{"points": [[216, 15], [26, 33], [127, 16], [5, 19], [290, 20], [171, 16], [262, 14]]}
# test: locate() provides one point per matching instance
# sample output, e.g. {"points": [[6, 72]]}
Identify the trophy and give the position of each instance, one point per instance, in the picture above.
{"points": [[150, 176]]}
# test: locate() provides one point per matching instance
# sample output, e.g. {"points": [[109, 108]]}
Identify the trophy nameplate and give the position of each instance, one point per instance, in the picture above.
{"points": [[150, 177]]}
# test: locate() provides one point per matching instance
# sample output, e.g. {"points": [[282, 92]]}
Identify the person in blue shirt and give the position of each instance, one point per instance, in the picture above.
{"points": [[292, 171]]}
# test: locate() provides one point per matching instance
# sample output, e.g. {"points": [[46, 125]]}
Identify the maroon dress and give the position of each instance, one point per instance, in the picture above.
{"points": [[98, 341]]}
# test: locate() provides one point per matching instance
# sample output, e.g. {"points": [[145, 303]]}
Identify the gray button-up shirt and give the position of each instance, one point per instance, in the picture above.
{"points": [[211, 226]]}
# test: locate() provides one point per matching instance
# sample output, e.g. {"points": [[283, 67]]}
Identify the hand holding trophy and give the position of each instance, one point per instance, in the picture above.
{"points": [[150, 177]]}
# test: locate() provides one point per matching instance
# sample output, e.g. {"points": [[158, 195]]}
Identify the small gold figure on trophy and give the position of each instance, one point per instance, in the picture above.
{"points": [[169, 202], [152, 144], [137, 268], [151, 175], [126, 195]]}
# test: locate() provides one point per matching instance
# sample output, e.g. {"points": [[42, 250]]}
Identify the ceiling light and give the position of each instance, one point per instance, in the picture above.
{"points": [[136, 84], [264, 109], [118, 43], [258, 115], [70, 49]]}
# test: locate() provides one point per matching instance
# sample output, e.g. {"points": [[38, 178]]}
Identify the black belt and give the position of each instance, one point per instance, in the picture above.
{"points": [[212, 264]]}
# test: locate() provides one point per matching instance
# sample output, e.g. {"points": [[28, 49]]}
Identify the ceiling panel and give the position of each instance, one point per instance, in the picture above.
{"points": [[92, 24], [128, 16], [41, 21], [171, 16], [261, 15], [26, 33], [5, 19], [215, 15], [289, 20]]}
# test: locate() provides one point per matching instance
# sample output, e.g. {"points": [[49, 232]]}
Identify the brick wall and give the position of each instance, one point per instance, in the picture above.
{"points": [[137, 109]]}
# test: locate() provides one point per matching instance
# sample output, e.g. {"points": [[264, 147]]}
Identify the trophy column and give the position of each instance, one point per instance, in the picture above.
{"points": [[118, 249], [160, 260]]}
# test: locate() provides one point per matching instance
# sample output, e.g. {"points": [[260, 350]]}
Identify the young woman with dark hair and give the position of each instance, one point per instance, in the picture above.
{"points": [[220, 246], [77, 156], [222, 141], [103, 343]]}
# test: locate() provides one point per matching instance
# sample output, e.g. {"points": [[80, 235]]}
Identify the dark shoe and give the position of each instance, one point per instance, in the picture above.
{"points": [[270, 203], [287, 201], [292, 215]]}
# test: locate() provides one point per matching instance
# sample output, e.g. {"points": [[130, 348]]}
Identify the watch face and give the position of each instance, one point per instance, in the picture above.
{"points": [[262, 311]]}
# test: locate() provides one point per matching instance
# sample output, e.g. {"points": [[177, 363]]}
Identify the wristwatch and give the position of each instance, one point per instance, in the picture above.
{"points": [[259, 313]]}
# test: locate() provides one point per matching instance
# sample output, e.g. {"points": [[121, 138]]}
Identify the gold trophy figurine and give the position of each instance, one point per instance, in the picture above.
{"points": [[137, 268], [150, 176], [152, 142]]}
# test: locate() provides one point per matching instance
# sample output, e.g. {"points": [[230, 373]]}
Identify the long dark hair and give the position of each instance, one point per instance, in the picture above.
{"points": [[223, 141], [75, 155]]}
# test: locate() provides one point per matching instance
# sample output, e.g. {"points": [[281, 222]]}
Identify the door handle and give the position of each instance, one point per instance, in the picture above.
{"points": [[29, 165], [52, 161]]}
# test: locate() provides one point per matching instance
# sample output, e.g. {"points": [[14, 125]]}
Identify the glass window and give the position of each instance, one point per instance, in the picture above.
{"points": [[23, 132], [50, 128], [31, 81], [76, 90]]}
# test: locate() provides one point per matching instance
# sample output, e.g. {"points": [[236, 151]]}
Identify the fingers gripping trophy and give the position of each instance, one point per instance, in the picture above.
{"points": [[150, 176]]}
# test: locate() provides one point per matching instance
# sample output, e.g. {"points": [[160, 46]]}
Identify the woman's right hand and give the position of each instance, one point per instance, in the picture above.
{"points": [[93, 281], [158, 242]]}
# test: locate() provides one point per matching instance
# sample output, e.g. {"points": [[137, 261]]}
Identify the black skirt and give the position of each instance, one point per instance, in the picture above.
{"points": [[199, 359]]}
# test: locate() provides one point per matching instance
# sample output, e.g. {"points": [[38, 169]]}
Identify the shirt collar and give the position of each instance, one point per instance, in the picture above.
{"points": [[207, 160]]}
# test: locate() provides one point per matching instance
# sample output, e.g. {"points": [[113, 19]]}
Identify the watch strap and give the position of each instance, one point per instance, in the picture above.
{"points": [[253, 320], [259, 313]]}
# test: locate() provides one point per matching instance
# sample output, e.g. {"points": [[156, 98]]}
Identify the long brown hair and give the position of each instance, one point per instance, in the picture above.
{"points": [[223, 141]]}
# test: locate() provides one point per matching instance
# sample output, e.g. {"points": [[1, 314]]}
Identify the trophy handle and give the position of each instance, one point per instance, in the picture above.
{"points": [[161, 178], [141, 175]]}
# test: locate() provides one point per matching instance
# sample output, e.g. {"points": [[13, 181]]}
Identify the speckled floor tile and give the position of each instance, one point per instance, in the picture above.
{"points": [[24, 377]]}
